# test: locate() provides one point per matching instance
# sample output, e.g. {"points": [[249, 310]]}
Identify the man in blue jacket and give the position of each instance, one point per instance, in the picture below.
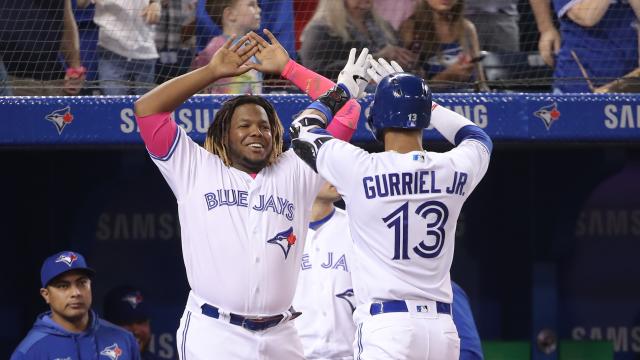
{"points": [[71, 330]]}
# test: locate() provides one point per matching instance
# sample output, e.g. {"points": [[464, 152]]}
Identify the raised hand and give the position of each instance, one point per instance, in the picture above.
{"points": [[381, 68], [151, 13], [272, 58], [230, 60], [354, 76]]}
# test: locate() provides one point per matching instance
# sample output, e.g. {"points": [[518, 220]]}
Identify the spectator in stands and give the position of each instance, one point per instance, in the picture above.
{"points": [[71, 329], [599, 42], [5, 90], [88, 34], [395, 12], [496, 22], [125, 306], [339, 25], [274, 15], [32, 33], [175, 38], [549, 41], [236, 17], [446, 44], [126, 48]]}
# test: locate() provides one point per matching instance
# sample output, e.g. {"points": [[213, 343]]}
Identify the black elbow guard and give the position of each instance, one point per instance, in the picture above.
{"points": [[334, 99]]}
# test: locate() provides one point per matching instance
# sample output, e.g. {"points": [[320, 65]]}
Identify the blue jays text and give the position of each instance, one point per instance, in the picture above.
{"points": [[232, 197], [409, 183], [331, 263]]}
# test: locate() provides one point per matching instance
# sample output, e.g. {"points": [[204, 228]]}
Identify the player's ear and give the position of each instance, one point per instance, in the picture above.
{"points": [[44, 292]]}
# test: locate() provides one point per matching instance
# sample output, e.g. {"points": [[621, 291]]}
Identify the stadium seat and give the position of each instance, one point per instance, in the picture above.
{"points": [[506, 350]]}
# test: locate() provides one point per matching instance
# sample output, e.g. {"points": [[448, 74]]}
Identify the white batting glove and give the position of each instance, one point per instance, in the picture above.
{"points": [[382, 68], [354, 76]]}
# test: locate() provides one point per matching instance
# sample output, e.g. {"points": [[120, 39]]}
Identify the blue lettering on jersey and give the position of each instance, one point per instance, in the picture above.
{"points": [[305, 262], [459, 181], [395, 184], [225, 197], [278, 205], [341, 263]]}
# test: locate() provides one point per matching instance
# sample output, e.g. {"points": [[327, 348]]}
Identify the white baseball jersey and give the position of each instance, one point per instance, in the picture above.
{"points": [[325, 293], [403, 210], [242, 238]]}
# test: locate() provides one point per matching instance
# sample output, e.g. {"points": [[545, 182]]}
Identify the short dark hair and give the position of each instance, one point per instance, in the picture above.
{"points": [[215, 9], [217, 139]]}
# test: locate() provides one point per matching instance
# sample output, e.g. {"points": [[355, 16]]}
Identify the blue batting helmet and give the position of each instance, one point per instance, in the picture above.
{"points": [[401, 101]]}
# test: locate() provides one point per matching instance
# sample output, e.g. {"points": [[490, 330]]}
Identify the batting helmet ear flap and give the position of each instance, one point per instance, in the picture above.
{"points": [[377, 133]]}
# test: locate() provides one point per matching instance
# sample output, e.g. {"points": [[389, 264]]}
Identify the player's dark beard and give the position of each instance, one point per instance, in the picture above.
{"points": [[253, 165]]}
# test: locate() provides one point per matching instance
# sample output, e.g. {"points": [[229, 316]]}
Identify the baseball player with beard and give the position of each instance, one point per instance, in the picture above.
{"points": [[244, 204], [403, 206], [325, 293]]}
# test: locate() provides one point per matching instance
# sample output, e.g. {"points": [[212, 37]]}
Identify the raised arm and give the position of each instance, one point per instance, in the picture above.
{"points": [[307, 131], [228, 61], [157, 129], [274, 59]]}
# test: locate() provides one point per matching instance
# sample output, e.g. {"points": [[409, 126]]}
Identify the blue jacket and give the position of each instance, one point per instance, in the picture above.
{"points": [[101, 341], [470, 345]]}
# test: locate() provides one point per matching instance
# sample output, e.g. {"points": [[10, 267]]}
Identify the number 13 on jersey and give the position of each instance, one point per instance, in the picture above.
{"points": [[400, 219]]}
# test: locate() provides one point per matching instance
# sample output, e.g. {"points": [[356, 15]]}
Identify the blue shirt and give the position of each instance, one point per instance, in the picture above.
{"points": [[470, 346], [607, 50], [102, 340]]}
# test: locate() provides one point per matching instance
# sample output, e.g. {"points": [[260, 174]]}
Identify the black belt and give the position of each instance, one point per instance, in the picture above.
{"points": [[253, 324], [401, 306]]}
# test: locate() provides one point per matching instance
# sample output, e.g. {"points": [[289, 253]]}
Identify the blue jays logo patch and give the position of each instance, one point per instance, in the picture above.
{"points": [[60, 118], [67, 258], [113, 352], [134, 299], [548, 114], [347, 296], [285, 240]]}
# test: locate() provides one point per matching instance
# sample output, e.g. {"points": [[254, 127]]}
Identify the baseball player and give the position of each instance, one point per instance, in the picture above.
{"points": [[70, 329], [324, 293], [244, 205], [403, 206]]}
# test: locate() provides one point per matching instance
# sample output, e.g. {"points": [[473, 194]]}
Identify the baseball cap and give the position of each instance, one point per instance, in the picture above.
{"points": [[125, 304], [60, 263]]}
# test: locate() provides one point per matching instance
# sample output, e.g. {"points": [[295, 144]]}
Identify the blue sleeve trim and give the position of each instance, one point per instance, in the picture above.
{"points": [[473, 132], [171, 150], [317, 105]]}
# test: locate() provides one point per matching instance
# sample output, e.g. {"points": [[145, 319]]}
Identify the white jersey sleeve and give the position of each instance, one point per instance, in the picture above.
{"points": [[472, 157], [181, 165]]}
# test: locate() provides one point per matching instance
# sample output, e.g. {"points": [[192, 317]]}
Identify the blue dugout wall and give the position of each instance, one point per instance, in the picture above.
{"points": [[550, 238]]}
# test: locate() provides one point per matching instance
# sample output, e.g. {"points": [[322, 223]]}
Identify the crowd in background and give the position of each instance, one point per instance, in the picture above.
{"points": [[113, 47]]}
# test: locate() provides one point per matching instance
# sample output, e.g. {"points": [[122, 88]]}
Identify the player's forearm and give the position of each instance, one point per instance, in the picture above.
{"points": [[456, 128], [171, 94], [312, 83], [70, 44]]}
